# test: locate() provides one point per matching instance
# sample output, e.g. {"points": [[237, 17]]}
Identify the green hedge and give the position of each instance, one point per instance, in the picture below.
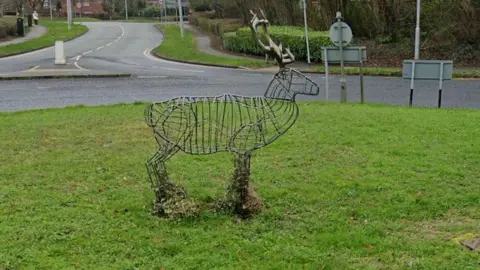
{"points": [[215, 26], [8, 26], [242, 41]]}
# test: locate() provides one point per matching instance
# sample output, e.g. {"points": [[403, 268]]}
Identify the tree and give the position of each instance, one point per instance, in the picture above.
{"points": [[110, 7]]}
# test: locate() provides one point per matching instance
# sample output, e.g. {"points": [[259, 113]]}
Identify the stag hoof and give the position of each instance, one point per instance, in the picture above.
{"points": [[250, 206], [172, 202]]}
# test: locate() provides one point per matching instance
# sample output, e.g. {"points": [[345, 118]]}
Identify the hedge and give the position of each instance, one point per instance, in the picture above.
{"points": [[8, 26], [215, 26], [242, 41]]}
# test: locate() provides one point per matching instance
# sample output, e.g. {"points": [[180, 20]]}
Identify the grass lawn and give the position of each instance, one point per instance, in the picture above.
{"points": [[57, 30], [174, 47], [348, 187]]}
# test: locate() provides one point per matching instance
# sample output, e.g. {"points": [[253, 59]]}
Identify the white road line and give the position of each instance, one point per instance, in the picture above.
{"points": [[78, 66], [108, 44], [101, 47], [32, 69], [147, 54], [152, 77], [87, 52]]}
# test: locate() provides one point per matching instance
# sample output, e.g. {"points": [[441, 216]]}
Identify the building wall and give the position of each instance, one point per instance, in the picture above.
{"points": [[89, 7]]}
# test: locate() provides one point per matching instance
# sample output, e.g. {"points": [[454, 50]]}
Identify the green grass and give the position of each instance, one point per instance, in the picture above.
{"points": [[348, 187], [391, 72], [184, 49], [57, 30]]}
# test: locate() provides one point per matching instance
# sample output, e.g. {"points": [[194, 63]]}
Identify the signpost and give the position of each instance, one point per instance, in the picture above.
{"points": [[341, 35], [79, 6], [440, 70], [416, 69]]}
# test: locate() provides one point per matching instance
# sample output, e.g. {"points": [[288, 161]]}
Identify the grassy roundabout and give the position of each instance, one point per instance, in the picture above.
{"points": [[184, 49], [348, 187], [57, 30]]}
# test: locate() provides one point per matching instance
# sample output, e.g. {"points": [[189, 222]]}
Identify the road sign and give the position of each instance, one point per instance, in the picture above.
{"points": [[350, 54], [440, 70], [335, 33]]}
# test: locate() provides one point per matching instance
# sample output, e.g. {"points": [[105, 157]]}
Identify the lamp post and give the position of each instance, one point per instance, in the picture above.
{"points": [[126, 10], [304, 4], [69, 14], [417, 32], [180, 13]]}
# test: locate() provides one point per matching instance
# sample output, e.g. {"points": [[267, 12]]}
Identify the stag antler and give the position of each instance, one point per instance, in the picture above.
{"points": [[273, 50]]}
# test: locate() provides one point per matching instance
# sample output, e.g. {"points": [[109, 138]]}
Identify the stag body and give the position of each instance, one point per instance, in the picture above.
{"points": [[238, 124]]}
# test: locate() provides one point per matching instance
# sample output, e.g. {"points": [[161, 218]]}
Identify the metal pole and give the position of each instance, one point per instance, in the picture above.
{"points": [[326, 74], [181, 16], [126, 10], [343, 81], [440, 87], [362, 91], [51, 11], [306, 29], [412, 84], [417, 32], [69, 13]]}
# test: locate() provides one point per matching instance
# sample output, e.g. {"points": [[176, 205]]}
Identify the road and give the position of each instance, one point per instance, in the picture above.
{"points": [[124, 47]]}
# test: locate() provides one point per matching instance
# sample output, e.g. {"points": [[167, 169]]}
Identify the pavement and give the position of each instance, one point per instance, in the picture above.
{"points": [[34, 32], [125, 48], [204, 43]]}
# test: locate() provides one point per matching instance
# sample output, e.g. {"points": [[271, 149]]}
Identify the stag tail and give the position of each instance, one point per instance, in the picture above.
{"points": [[272, 49]]}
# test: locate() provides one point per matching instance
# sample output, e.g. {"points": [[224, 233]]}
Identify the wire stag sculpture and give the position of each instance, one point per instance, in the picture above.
{"points": [[233, 123]]}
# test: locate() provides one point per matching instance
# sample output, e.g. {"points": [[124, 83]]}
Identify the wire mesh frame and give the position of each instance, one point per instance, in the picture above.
{"points": [[239, 124]]}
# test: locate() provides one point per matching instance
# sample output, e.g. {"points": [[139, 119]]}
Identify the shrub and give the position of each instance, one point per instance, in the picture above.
{"points": [[242, 41], [8, 26], [215, 26]]}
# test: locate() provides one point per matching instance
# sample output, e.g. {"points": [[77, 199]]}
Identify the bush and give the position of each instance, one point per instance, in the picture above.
{"points": [[215, 26], [8, 26], [242, 41]]}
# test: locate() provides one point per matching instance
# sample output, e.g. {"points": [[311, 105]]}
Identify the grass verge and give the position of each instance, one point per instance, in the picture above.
{"points": [[392, 72], [348, 187], [184, 49], [57, 30]]}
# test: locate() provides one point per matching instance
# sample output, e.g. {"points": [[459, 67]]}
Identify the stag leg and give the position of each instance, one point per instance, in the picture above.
{"points": [[171, 200], [241, 197]]}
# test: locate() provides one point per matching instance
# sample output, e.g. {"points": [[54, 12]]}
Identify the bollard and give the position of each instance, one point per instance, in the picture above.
{"points": [[59, 53]]}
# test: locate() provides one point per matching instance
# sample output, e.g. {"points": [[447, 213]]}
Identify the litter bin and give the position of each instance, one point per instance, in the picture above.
{"points": [[30, 20], [20, 28]]}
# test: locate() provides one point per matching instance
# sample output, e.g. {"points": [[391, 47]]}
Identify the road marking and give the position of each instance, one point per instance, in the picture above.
{"points": [[32, 69], [76, 58], [87, 52], [108, 44], [147, 54], [101, 47], [78, 66], [152, 77], [43, 87]]}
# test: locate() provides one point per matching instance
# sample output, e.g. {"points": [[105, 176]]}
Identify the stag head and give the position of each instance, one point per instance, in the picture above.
{"points": [[283, 57]]}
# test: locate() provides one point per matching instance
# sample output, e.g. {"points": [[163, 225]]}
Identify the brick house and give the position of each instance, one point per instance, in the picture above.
{"points": [[88, 7]]}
